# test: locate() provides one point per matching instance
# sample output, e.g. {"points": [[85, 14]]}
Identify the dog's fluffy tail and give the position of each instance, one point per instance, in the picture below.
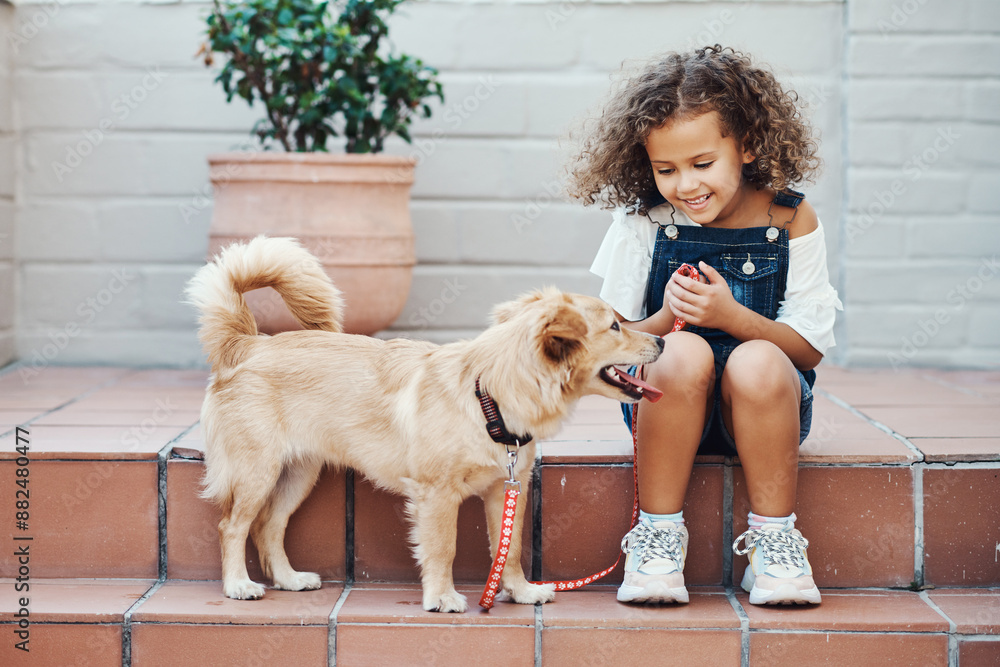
{"points": [[228, 326]]}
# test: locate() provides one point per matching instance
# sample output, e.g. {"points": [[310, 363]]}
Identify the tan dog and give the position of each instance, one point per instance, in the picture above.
{"points": [[403, 413]]}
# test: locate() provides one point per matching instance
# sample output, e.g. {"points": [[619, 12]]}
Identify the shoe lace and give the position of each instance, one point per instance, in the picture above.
{"points": [[778, 546], [649, 542]]}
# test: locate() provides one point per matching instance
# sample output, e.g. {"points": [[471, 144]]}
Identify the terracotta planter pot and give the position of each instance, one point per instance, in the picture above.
{"points": [[351, 211]]}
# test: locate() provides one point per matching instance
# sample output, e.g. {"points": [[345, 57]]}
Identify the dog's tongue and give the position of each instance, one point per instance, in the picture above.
{"points": [[649, 392]]}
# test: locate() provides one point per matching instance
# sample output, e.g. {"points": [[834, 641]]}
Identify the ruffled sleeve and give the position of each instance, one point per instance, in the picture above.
{"points": [[623, 260], [811, 303]]}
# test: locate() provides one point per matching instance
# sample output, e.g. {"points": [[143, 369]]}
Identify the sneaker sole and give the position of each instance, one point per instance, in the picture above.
{"points": [[785, 594], [652, 592]]}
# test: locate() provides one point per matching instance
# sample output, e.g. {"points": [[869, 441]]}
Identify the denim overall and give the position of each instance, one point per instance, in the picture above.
{"points": [[754, 263]]}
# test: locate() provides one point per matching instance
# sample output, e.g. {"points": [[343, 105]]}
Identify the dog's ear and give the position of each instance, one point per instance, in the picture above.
{"points": [[504, 311], [507, 310], [563, 333]]}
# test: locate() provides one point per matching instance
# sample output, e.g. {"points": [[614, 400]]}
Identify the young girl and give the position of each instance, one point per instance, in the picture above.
{"points": [[695, 154]]}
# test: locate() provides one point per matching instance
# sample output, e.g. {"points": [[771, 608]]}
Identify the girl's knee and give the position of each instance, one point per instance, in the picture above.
{"points": [[759, 368], [687, 362]]}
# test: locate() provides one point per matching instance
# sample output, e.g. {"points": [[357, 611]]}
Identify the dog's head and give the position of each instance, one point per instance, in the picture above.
{"points": [[578, 340]]}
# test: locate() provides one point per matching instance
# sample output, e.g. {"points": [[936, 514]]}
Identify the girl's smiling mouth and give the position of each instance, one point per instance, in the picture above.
{"points": [[697, 203]]}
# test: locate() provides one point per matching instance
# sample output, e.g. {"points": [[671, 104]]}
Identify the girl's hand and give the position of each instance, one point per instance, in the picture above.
{"points": [[709, 305]]}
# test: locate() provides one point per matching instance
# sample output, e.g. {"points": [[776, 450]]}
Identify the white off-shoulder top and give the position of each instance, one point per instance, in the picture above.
{"points": [[626, 255]]}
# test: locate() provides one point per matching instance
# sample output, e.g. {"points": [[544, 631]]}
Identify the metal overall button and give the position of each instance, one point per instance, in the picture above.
{"points": [[772, 234], [748, 267], [670, 231]]}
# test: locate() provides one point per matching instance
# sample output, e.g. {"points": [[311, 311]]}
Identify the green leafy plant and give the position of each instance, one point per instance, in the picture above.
{"points": [[317, 74]]}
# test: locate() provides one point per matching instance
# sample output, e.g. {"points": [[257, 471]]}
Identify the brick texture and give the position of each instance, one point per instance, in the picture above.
{"points": [[8, 287], [923, 179]]}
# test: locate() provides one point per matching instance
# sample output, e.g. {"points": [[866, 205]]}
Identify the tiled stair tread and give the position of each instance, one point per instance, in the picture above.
{"points": [[596, 434], [975, 611], [118, 413], [883, 387], [851, 611], [83, 415], [970, 611], [59, 379], [74, 600], [192, 623], [203, 602], [956, 421], [89, 413], [98, 442], [395, 603], [596, 607], [958, 450]]}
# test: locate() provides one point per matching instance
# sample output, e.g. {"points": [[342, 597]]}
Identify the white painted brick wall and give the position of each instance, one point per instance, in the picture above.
{"points": [[921, 282], [8, 273], [518, 74]]}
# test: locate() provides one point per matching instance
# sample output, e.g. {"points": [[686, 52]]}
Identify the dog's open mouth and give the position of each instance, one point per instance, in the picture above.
{"points": [[632, 387]]}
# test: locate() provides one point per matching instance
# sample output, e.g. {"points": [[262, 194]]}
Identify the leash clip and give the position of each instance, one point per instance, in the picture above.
{"points": [[512, 460]]}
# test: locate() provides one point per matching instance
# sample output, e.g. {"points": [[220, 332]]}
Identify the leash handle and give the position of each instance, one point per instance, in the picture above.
{"points": [[687, 271]]}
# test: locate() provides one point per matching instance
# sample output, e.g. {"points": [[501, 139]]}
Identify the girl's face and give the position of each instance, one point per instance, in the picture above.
{"points": [[697, 169]]}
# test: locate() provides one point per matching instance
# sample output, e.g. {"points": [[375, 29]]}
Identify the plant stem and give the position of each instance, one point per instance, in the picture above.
{"points": [[259, 82]]}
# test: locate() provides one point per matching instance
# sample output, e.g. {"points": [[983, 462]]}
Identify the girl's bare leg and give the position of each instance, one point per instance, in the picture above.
{"points": [[670, 430], [761, 393]]}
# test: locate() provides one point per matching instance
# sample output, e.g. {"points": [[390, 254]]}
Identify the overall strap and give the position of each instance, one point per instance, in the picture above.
{"points": [[789, 198]]}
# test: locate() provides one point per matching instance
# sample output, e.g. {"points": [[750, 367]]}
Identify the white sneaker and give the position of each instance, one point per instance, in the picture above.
{"points": [[654, 564], [779, 571]]}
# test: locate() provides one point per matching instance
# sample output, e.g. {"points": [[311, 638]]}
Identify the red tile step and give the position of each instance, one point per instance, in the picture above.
{"points": [[114, 472], [92, 438], [176, 623], [879, 511], [877, 508]]}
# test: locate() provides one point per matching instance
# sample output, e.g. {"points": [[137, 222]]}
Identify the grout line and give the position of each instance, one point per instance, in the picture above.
{"points": [[162, 457], [536, 523], [877, 424], [454, 625], [349, 526], [538, 635], [127, 623], [876, 633], [161, 511], [331, 641], [727, 523], [962, 465], [744, 627], [918, 525], [952, 629]]}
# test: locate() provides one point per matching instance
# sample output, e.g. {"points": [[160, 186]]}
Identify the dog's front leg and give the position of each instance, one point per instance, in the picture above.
{"points": [[513, 581], [435, 528]]}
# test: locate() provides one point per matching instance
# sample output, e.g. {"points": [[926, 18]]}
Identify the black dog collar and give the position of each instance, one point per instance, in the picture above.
{"points": [[494, 421]]}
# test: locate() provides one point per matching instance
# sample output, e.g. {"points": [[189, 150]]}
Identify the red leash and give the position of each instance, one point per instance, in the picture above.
{"points": [[512, 489]]}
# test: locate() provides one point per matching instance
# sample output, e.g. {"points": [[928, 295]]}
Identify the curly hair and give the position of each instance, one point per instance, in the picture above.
{"points": [[612, 166]]}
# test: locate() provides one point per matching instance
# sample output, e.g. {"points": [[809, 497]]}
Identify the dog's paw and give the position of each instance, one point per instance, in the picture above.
{"points": [[243, 590], [299, 581], [451, 601], [533, 593]]}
